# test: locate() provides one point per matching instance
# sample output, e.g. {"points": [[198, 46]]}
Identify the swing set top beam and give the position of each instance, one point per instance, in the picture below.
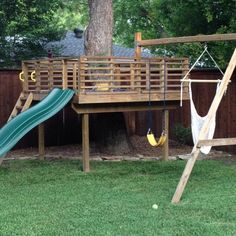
{"points": [[187, 39]]}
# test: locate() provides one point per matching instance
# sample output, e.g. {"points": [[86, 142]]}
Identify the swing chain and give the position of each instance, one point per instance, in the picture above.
{"points": [[164, 101]]}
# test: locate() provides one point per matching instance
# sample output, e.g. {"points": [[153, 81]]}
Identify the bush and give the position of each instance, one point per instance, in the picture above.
{"points": [[183, 134]]}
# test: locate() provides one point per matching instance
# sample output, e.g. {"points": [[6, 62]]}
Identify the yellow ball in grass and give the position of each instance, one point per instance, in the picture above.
{"points": [[155, 206]]}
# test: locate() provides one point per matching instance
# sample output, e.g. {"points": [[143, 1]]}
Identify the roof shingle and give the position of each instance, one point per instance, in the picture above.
{"points": [[71, 46]]}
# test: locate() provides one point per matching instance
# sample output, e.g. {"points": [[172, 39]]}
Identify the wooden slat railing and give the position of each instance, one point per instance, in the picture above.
{"points": [[109, 75], [106, 75], [50, 73]]}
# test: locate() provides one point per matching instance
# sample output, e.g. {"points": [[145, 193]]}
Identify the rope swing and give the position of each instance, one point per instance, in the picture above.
{"points": [[197, 121], [150, 136], [185, 78]]}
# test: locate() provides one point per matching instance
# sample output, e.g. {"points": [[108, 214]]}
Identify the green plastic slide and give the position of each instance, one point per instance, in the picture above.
{"points": [[16, 128]]}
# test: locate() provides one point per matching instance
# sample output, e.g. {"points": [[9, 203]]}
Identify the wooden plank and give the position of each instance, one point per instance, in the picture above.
{"points": [[202, 135], [81, 71], [101, 57], [18, 104], [186, 39], [25, 71], [201, 80], [50, 75], [41, 141], [217, 142], [64, 75], [138, 38], [114, 80], [28, 102], [129, 97], [75, 76], [128, 87], [96, 68], [85, 142], [109, 74], [102, 108], [38, 77]]}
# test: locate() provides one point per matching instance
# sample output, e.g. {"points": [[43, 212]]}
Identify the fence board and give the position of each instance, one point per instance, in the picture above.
{"points": [[10, 88]]}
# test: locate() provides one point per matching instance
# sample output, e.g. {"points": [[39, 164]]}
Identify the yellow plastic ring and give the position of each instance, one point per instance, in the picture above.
{"points": [[21, 76], [32, 76]]}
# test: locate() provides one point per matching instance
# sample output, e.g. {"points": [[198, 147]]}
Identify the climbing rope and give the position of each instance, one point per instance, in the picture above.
{"points": [[193, 66]]}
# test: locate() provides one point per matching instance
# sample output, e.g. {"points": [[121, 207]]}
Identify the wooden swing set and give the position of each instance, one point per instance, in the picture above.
{"points": [[202, 140]]}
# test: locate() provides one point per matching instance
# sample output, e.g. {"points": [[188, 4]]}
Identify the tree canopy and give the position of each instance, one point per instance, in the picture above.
{"points": [[27, 25], [170, 18]]}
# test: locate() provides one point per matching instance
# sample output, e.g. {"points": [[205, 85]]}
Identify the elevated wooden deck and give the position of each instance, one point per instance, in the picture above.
{"points": [[108, 80], [106, 84]]}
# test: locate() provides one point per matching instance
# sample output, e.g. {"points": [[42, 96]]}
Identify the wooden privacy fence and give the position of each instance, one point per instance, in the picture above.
{"points": [[10, 88], [105, 74]]}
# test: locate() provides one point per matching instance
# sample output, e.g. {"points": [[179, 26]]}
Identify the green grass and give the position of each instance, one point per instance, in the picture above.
{"points": [[116, 198]]}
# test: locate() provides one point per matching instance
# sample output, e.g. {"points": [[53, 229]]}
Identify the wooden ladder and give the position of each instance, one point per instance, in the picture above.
{"points": [[23, 103], [204, 130]]}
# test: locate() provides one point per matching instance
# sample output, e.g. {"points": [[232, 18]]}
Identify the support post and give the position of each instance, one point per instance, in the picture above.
{"points": [[85, 142], [138, 49], [64, 74], [165, 154], [41, 141], [202, 135]]}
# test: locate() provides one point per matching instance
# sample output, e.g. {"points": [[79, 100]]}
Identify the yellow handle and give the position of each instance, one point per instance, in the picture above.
{"points": [[21, 76], [32, 76]]}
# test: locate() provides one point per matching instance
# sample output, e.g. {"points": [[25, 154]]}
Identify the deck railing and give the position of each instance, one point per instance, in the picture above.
{"points": [[107, 75], [49, 74]]}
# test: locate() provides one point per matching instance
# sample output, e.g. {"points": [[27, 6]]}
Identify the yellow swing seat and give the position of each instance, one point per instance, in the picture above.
{"points": [[152, 140]]}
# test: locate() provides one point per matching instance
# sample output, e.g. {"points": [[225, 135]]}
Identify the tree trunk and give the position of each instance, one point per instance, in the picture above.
{"points": [[107, 130], [98, 35]]}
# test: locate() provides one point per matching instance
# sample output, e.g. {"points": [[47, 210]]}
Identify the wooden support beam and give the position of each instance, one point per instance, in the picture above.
{"points": [[85, 142], [166, 144], [25, 84], [28, 102], [138, 38], [217, 142], [204, 130], [186, 39], [41, 141], [201, 80], [106, 108], [185, 176], [64, 75]]}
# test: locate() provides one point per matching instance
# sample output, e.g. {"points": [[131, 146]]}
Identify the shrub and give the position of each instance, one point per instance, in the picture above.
{"points": [[183, 134]]}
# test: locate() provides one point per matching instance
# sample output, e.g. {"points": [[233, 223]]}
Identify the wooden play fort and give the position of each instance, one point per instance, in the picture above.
{"points": [[104, 84], [121, 84]]}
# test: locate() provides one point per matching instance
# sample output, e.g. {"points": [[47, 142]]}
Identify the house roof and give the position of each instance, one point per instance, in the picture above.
{"points": [[71, 46]]}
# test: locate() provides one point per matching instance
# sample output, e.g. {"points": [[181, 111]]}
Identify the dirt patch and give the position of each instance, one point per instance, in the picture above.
{"points": [[138, 149]]}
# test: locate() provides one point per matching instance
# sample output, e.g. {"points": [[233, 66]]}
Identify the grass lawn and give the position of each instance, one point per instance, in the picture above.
{"points": [[116, 198]]}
